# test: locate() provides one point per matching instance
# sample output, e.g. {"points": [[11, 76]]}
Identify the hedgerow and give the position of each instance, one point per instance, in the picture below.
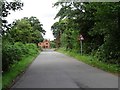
{"points": [[12, 53]]}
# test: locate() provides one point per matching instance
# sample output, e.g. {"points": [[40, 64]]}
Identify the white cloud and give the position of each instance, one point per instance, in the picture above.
{"points": [[42, 9]]}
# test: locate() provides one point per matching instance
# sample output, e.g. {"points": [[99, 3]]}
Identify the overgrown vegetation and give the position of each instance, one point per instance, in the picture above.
{"points": [[52, 44], [16, 69], [14, 53], [93, 61], [19, 38], [97, 22], [19, 42]]}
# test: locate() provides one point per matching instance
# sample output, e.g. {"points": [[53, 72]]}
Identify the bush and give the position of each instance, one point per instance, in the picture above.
{"points": [[52, 44], [7, 59], [12, 53], [32, 48], [22, 47], [107, 54]]}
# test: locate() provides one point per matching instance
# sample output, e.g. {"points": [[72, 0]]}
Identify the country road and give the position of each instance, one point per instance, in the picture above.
{"points": [[55, 70]]}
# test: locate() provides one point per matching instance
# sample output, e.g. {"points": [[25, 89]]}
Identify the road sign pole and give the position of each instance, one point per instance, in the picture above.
{"points": [[81, 39], [81, 46]]}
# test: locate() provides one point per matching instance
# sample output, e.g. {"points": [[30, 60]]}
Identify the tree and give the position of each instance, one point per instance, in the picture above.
{"points": [[37, 27], [97, 22], [24, 31], [58, 28], [35, 23], [6, 7]]}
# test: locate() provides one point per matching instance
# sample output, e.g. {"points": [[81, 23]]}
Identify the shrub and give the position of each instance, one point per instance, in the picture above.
{"points": [[12, 53], [32, 48], [6, 57], [22, 47], [107, 54]]}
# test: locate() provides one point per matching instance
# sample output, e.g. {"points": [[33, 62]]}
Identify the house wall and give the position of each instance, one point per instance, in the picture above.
{"points": [[44, 44]]}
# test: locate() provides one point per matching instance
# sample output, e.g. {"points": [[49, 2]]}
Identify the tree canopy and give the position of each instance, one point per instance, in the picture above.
{"points": [[20, 38], [5, 8], [26, 31], [96, 21]]}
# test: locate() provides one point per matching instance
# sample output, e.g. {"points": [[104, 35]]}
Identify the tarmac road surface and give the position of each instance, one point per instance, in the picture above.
{"points": [[55, 70]]}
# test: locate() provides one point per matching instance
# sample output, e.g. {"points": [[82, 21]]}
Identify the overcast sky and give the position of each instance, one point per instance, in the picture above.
{"points": [[42, 9]]}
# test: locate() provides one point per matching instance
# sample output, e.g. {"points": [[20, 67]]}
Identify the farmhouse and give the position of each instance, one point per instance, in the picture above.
{"points": [[44, 44]]}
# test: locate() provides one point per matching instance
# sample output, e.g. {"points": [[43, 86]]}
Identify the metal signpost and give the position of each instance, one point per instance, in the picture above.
{"points": [[81, 39]]}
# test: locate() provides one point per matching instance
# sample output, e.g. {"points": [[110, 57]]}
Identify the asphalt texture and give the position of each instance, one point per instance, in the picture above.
{"points": [[55, 70]]}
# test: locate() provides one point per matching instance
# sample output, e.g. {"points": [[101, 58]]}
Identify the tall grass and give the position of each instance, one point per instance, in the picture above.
{"points": [[16, 58], [91, 60], [16, 69]]}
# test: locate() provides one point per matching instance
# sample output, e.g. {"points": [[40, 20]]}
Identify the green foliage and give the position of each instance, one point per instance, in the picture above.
{"points": [[18, 41], [32, 49], [12, 53], [52, 44], [35, 23], [97, 22], [23, 31], [5, 8], [15, 70], [93, 61]]}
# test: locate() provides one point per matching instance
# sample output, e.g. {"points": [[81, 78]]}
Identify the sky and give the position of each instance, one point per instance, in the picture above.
{"points": [[42, 9]]}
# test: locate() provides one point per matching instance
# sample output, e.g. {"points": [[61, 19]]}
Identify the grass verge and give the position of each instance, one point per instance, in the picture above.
{"points": [[9, 77], [112, 68]]}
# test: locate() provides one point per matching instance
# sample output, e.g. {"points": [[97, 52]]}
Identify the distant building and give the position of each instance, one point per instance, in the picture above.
{"points": [[44, 44]]}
